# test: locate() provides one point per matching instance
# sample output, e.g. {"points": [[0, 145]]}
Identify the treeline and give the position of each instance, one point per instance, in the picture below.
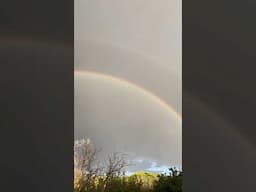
{"points": [[93, 176]]}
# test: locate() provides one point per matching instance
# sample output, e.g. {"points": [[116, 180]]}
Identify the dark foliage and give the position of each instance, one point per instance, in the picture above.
{"points": [[169, 183]]}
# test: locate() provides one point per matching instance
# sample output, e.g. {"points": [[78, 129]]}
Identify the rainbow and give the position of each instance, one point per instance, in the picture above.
{"points": [[130, 85]]}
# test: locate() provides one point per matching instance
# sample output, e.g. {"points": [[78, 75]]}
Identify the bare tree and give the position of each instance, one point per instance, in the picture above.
{"points": [[85, 166], [87, 170], [84, 155], [115, 167]]}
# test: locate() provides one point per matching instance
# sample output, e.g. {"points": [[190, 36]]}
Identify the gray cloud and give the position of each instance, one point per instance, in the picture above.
{"points": [[117, 118], [139, 41]]}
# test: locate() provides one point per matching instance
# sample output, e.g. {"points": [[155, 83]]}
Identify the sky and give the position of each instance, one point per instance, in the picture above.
{"points": [[128, 79]]}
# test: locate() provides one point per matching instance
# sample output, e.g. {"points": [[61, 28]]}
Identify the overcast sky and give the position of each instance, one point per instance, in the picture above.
{"points": [[128, 79]]}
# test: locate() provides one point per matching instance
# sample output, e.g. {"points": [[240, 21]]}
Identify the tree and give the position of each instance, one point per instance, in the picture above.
{"points": [[90, 175], [169, 183], [115, 167], [85, 169], [109, 176]]}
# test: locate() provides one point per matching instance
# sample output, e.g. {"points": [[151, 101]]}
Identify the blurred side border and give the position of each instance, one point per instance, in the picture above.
{"points": [[37, 102], [219, 146]]}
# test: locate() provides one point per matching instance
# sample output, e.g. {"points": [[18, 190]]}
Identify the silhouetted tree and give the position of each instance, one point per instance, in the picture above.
{"points": [[169, 183]]}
